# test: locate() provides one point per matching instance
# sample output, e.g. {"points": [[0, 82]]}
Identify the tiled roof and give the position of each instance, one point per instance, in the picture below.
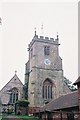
{"points": [[66, 101], [77, 81]]}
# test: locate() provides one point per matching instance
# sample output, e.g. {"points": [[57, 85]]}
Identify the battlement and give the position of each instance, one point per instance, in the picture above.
{"points": [[43, 39]]}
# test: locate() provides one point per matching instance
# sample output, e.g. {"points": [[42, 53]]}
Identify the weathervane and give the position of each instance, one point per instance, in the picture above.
{"points": [[57, 36], [35, 31], [42, 28]]}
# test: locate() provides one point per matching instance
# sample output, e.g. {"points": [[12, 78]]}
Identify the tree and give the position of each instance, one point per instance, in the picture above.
{"points": [[22, 103], [69, 84], [21, 107]]}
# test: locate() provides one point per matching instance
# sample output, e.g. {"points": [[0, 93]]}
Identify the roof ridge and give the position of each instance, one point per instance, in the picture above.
{"points": [[10, 80]]}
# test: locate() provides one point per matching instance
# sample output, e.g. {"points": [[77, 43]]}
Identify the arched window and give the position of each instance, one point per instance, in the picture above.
{"points": [[47, 89], [13, 95]]}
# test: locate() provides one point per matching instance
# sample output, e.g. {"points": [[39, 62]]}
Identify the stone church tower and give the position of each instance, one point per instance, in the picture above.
{"points": [[44, 73]]}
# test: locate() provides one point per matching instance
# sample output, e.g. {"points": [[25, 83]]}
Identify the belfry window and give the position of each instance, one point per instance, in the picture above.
{"points": [[13, 95], [46, 50], [47, 89]]}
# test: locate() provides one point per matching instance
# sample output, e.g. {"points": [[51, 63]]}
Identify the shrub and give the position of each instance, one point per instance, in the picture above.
{"points": [[22, 103]]}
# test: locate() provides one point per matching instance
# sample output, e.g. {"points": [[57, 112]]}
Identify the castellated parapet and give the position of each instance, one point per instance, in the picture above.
{"points": [[44, 40]]}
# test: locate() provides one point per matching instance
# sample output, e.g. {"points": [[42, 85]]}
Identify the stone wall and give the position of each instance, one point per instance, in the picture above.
{"points": [[40, 71], [14, 83]]}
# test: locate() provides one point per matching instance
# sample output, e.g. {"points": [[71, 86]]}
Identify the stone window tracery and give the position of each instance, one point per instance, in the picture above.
{"points": [[13, 95], [47, 89]]}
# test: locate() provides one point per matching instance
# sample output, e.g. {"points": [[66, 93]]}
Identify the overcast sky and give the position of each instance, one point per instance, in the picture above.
{"points": [[17, 30]]}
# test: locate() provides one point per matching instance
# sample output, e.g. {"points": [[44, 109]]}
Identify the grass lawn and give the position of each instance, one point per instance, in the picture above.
{"points": [[0, 117], [20, 118], [27, 117]]}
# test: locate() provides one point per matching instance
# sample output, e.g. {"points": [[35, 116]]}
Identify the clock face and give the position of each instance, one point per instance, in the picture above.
{"points": [[47, 61]]}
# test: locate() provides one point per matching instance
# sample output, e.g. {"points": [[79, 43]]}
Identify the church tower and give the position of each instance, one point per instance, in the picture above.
{"points": [[44, 74]]}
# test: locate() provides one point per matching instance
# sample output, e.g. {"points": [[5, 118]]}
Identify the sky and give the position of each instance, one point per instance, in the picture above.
{"points": [[17, 30]]}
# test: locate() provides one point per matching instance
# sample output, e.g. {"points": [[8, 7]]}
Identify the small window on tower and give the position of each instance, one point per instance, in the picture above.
{"points": [[46, 50], [31, 52]]}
